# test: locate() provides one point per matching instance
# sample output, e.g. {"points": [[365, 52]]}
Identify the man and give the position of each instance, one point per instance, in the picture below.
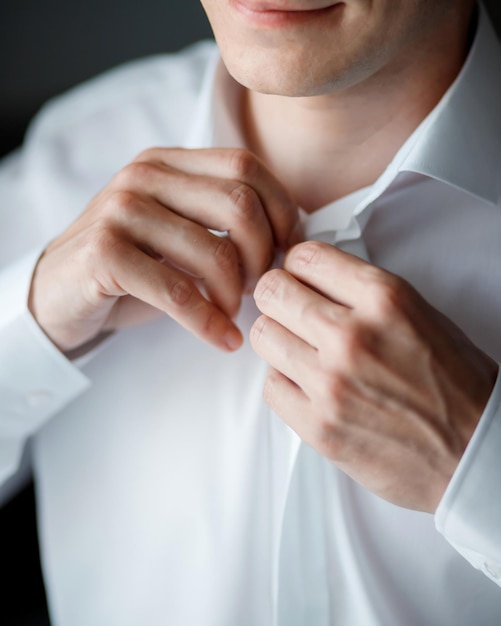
{"points": [[168, 492]]}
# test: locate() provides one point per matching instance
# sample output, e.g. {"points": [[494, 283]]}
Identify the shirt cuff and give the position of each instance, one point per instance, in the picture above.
{"points": [[36, 379], [469, 514]]}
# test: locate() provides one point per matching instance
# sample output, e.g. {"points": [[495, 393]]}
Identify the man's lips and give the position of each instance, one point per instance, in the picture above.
{"points": [[278, 6], [281, 12]]}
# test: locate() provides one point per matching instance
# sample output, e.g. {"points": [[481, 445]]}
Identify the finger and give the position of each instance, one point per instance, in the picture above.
{"points": [[298, 308], [289, 402], [214, 203], [340, 276], [191, 248], [284, 351], [134, 272], [242, 166]]}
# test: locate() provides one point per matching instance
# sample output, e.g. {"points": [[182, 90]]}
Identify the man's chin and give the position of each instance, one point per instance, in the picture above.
{"points": [[281, 79]]}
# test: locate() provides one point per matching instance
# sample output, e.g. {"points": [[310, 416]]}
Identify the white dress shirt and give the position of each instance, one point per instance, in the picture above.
{"points": [[168, 493]]}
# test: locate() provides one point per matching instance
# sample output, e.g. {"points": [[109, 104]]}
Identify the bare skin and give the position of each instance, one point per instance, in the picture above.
{"points": [[344, 84], [392, 397], [342, 140], [142, 248], [368, 373]]}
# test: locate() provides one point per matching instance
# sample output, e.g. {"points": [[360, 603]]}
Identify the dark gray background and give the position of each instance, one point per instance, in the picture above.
{"points": [[47, 46]]}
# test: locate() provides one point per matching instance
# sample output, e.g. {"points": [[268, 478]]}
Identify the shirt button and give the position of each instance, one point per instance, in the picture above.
{"points": [[38, 398], [493, 570]]}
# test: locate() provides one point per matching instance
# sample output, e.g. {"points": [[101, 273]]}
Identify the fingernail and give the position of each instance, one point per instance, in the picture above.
{"points": [[296, 236], [233, 339]]}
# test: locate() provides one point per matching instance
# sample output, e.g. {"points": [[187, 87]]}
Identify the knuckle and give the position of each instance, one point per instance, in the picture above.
{"points": [[331, 439], [123, 204], [100, 246], [133, 174], [245, 202], [269, 285], [331, 426], [269, 392], [388, 295], [257, 331], [333, 410], [305, 254], [146, 155], [102, 241], [243, 164], [334, 388], [225, 254], [212, 323], [341, 341], [181, 292], [351, 345]]}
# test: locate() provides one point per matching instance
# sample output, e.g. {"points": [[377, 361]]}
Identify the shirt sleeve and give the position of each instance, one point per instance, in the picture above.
{"points": [[44, 186], [469, 514], [36, 380]]}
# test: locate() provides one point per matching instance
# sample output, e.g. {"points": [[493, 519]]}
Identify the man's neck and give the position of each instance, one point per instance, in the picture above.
{"points": [[325, 147]]}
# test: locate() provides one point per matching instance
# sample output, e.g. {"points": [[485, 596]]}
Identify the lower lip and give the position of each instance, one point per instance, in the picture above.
{"points": [[277, 19]]}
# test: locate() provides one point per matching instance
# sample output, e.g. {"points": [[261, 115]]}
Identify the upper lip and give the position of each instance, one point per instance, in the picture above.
{"points": [[287, 5]]}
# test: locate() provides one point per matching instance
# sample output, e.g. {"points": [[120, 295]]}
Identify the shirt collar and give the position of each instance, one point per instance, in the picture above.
{"points": [[458, 143]]}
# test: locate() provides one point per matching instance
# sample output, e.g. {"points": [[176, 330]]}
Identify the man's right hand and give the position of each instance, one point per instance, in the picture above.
{"points": [[143, 247]]}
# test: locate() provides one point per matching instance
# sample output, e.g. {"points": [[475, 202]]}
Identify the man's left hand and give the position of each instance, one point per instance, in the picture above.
{"points": [[368, 373]]}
